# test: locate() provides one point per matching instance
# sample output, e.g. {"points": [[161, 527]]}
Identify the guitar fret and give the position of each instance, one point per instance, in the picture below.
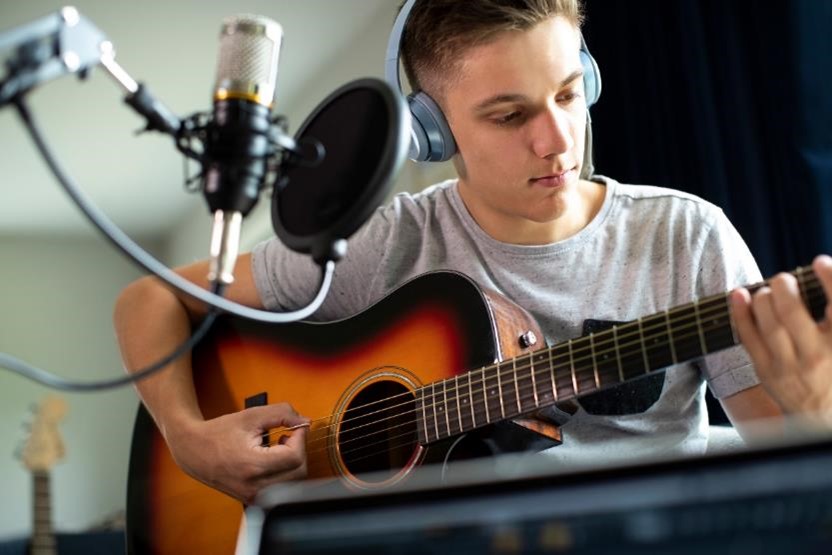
{"points": [[583, 364], [643, 345], [506, 379], [563, 379], [699, 330], [594, 361], [687, 340], [659, 352], [458, 402], [670, 338], [445, 406], [516, 386], [572, 369], [608, 364], [552, 375], [500, 391], [631, 350], [718, 326], [485, 398], [618, 352], [534, 381], [433, 404], [471, 395]]}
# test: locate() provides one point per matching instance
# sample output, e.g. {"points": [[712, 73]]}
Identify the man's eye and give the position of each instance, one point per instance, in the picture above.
{"points": [[568, 97], [511, 117]]}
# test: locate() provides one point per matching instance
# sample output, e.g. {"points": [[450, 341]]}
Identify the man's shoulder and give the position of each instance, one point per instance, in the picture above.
{"points": [[432, 193], [653, 197], [436, 197]]}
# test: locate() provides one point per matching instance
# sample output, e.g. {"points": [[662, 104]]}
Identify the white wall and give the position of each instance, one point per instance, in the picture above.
{"points": [[56, 299]]}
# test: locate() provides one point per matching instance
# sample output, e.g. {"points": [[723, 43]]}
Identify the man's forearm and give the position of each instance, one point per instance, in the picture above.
{"points": [[150, 322]]}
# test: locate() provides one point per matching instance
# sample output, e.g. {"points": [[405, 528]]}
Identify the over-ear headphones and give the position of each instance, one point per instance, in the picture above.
{"points": [[431, 137]]}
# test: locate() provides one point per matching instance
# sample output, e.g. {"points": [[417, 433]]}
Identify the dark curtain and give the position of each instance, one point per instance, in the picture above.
{"points": [[730, 100]]}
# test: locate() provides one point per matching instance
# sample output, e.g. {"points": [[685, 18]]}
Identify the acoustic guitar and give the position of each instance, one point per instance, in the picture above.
{"points": [[42, 450], [397, 385]]}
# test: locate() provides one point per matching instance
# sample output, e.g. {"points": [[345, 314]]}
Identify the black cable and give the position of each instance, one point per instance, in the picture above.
{"points": [[51, 380]]}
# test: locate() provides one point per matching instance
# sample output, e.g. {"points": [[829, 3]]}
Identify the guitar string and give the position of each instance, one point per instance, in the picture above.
{"points": [[528, 357], [486, 412]]}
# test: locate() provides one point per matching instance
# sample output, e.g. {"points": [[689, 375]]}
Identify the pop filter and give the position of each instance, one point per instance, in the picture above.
{"points": [[362, 136]]}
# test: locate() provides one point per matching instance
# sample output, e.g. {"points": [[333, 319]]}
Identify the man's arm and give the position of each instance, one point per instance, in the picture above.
{"points": [[150, 320], [791, 352], [754, 414]]}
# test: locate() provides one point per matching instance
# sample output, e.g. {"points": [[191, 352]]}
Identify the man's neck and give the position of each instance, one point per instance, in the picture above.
{"points": [[579, 210]]}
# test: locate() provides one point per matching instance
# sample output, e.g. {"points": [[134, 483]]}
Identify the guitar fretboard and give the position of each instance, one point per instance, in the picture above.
{"points": [[43, 540], [587, 364]]}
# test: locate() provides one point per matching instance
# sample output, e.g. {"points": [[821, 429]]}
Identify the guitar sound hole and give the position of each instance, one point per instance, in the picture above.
{"points": [[378, 430]]}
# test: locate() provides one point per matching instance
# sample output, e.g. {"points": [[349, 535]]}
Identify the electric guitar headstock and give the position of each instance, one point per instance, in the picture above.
{"points": [[44, 446]]}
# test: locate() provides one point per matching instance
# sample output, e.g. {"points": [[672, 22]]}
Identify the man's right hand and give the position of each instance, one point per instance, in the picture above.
{"points": [[151, 319], [227, 454]]}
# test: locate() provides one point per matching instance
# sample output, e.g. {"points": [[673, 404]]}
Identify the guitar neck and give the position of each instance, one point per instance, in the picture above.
{"points": [[43, 538], [587, 364]]}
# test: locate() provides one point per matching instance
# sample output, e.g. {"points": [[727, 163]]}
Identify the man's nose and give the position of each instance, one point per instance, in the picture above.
{"points": [[552, 132]]}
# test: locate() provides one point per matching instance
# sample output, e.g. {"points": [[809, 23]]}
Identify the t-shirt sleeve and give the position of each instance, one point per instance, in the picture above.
{"points": [[726, 263], [287, 280]]}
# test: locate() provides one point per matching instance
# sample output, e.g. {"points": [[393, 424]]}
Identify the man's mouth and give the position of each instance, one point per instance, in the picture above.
{"points": [[558, 179]]}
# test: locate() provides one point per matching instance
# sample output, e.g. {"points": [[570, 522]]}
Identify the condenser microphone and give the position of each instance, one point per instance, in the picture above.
{"points": [[237, 145]]}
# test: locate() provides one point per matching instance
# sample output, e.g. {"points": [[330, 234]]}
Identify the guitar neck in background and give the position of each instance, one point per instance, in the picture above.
{"points": [[43, 537]]}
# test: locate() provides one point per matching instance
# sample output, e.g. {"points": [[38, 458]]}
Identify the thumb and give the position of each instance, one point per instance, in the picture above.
{"points": [[272, 416]]}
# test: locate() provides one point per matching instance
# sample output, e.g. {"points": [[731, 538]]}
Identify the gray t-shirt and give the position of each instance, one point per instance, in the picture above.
{"points": [[648, 249]]}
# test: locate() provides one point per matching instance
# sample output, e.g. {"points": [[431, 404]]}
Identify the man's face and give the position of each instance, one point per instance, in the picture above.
{"points": [[518, 114]]}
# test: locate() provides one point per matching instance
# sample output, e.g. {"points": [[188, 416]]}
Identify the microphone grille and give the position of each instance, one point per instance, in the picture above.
{"points": [[247, 62]]}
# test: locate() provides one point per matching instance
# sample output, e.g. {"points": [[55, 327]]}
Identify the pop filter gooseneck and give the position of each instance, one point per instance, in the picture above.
{"points": [[362, 136]]}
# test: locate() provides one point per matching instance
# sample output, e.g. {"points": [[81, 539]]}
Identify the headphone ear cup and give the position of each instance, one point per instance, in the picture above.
{"points": [[432, 140], [592, 78]]}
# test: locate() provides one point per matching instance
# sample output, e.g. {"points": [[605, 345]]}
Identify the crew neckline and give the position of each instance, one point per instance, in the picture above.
{"points": [[547, 249]]}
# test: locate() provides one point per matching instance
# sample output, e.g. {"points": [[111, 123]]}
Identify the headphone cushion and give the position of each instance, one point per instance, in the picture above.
{"points": [[592, 78], [431, 131]]}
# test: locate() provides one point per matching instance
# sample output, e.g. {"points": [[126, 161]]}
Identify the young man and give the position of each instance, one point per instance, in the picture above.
{"points": [[577, 253]]}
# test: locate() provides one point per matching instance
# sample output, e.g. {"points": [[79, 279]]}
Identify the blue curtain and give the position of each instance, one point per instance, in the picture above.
{"points": [[729, 100]]}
